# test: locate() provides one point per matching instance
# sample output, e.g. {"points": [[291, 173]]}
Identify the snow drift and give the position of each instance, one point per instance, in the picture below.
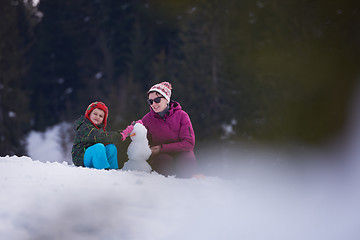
{"points": [[59, 201]]}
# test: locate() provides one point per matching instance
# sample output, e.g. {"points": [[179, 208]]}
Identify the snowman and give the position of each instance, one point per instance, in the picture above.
{"points": [[138, 150]]}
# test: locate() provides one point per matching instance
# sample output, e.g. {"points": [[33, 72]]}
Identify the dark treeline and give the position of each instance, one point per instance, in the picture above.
{"points": [[272, 70]]}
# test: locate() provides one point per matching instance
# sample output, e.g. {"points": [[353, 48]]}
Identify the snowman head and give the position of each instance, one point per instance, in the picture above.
{"points": [[139, 132]]}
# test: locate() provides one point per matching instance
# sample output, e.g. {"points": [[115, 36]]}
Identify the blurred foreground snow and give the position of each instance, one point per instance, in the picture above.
{"points": [[59, 201]]}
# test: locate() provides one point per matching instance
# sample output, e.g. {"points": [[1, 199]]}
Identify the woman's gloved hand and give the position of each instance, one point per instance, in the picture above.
{"points": [[138, 121]]}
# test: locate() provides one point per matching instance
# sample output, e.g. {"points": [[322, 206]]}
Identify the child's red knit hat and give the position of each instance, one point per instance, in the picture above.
{"points": [[101, 106]]}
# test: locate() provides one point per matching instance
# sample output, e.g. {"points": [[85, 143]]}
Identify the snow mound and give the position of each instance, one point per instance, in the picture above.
{"points": [[59, 201], [53, 145]]}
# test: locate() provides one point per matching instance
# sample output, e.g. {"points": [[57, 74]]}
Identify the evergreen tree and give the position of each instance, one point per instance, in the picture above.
{"points": [[268, 68], [15, 40], [201, 82], [53, 73]]}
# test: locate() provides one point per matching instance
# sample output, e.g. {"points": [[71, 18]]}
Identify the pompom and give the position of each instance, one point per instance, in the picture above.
{"points": [[167, 84]]}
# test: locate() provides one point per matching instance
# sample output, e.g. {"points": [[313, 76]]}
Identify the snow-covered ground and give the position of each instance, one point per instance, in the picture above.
{"points": [[59, 201], [45, 197]]}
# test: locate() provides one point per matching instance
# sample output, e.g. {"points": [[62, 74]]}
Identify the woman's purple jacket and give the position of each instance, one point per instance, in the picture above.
{"points": [[174, 133]]}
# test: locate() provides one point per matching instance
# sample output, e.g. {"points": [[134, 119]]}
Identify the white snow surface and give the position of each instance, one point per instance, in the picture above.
{"points": [[59, 201]]}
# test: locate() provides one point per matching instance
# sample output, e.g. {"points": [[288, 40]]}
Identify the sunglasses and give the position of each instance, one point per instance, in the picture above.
{"points": [[157, 100]]}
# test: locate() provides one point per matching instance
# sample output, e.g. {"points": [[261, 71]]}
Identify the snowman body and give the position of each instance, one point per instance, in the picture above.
{"points": [[138, 151]]}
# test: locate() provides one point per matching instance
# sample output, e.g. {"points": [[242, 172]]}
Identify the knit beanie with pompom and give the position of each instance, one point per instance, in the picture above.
{"points": [[163, 88]]}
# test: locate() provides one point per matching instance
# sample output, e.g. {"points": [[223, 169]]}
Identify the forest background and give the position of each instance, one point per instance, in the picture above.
{"points": [[279, 71]]}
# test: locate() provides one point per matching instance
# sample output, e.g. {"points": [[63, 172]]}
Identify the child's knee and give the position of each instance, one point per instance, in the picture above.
{"points": [[111, 148], [98, 147]]}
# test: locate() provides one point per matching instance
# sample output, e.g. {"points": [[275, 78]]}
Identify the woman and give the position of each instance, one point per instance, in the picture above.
{"points": [[170, 134]]}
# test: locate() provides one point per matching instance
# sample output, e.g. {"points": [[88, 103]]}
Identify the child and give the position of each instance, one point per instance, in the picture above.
{"points": [[93, 146], [170, 134]]}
